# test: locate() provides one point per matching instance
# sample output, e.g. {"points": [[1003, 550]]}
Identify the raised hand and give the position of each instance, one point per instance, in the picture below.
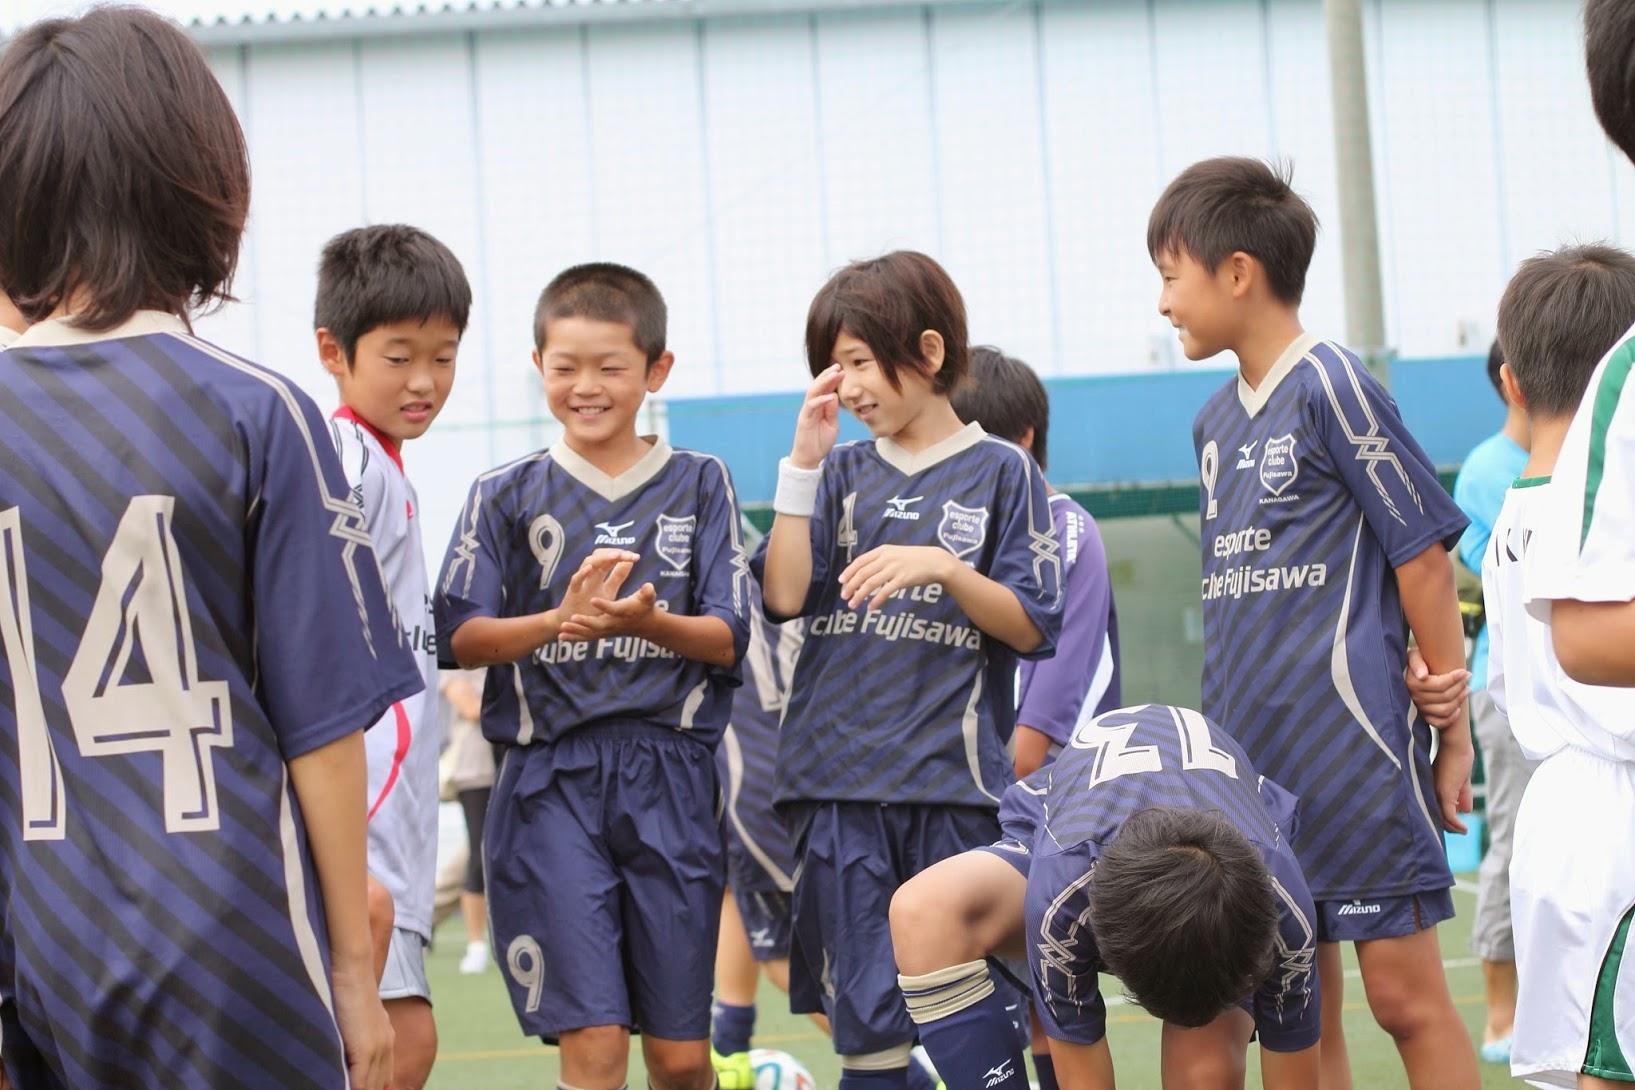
{"points": [[600, 575], [818, 425], [625, 616]]}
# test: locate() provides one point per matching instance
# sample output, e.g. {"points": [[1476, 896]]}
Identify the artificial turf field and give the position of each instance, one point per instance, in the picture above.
{"points": [[482, 1049]]}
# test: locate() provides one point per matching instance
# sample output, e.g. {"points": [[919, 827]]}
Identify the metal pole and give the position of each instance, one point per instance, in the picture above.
{"points": [[1354, 154]]}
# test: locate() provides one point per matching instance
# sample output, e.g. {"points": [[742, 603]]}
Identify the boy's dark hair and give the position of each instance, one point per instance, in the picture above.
{"points": [[1559, 315], [1217, 207], [1609, 53], [1005, 396], [605, 292], [1495, 362], [886, 303], [373, 276], [124, 170], [1183, 913]]}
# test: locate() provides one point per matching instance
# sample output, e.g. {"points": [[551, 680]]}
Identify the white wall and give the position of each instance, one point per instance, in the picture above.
{"points": [[1023, 143]]}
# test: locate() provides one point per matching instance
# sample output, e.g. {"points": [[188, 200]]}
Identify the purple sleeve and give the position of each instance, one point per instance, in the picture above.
{"points": [[1055, 690], [1287, 1007], [329, 656], [1385, 468], [720, 569], [472, 581], [1062, 955], [830, 518], [1027, 557]]}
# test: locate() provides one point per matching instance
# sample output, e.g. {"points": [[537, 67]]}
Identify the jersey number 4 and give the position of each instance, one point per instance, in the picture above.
{"points": [[1109, 735], [160, 707]]}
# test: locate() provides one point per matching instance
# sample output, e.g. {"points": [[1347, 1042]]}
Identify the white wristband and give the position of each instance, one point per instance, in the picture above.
{"points": [[797, 489]]}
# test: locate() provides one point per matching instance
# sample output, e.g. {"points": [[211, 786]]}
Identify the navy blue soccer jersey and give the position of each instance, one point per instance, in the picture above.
{"points": [[188, 600], [911, 702], [524, 531], [761, 853], [1313, 493], [1065, 815]]}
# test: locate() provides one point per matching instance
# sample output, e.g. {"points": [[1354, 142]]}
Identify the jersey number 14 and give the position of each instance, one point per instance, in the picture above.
{"points": [[141, 605]]}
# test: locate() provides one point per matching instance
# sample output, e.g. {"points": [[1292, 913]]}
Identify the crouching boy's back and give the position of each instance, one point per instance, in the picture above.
{"points": [[604, 859]]}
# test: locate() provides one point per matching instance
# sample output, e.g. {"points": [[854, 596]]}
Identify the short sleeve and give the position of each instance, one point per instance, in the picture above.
{"points": [[1584, 550], [471, 583], [1082, 671], [364, 475], [1286, 1007], [1385, 469], [329, 655], [1027, 557], [1062, 956], [720, 568], [831, 518]]}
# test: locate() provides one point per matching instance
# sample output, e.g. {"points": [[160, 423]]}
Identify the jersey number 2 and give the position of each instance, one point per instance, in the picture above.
{"points": [[1109, 736], [141, 605]]}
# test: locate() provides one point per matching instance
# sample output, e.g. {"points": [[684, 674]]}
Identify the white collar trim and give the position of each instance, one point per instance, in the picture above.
{"points": [[608, 487], [58, 332], [909, 463], [1254, 400]]}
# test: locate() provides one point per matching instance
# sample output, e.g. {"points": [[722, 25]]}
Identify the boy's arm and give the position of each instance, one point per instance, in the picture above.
{"points": [[786, 562], [1289, 1070], [1082, 1067], [1431, 607], [1595, 641], [330, 785]]}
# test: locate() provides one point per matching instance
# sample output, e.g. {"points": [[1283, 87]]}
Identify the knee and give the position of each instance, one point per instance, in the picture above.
{"points": [[1402, 1012], [915, 919], [600, 1055], [676, 1069], [1208, 1069]]}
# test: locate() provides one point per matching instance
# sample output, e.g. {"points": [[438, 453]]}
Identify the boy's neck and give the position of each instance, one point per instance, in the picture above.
{"points": [[1265, 342], [614, 456], [935, 422], [1516, 427], [1548, 433]]}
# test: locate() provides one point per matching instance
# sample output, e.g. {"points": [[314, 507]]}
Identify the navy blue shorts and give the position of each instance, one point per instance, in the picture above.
{"points": [[1359, 920], [605, 879], [767, 922], [853, 857]]}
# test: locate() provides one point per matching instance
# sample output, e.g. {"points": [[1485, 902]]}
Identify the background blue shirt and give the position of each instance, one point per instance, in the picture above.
{"points": [[1479, 491]]}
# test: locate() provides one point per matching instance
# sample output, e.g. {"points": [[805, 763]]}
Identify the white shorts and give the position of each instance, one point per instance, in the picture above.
{"points": [[405, 975], [1572, 889]]}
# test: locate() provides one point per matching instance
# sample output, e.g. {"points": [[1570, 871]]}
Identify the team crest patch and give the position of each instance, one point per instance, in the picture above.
{"points": [[963, 529], [1278, 465], [674, 542]]}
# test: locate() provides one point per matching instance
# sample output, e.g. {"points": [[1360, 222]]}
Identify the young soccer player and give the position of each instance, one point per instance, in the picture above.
{"points": [[926, 563], [1005, 396], [391, 309], [193, 632], [604, 858], [1149, 849], [1572, 889], [1588, 548], [1325, 542]]}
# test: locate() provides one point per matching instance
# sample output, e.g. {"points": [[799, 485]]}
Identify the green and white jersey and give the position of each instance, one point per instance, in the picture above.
{"points": [[1585, 546]]}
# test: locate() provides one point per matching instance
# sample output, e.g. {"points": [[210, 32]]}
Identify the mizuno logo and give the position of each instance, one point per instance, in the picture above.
{"points": [[899, 508], [761, 936], [1246, 455], [1356, 909], [613, 533], [998, 1074]]}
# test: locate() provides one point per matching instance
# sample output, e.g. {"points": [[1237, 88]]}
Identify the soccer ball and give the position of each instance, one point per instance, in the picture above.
{"points": [[779, 1071]]}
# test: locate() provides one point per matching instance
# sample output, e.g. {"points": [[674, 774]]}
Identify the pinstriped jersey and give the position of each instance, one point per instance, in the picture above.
{"points": [[188, 600], [1313, 492], [1113, 767], [912, 702], [403, 746], [525, 529], [757, 836]]}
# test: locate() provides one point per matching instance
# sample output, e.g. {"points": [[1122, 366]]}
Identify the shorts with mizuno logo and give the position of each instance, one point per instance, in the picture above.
{"points": [[766, 916], [1359, 920], [605, 881]]}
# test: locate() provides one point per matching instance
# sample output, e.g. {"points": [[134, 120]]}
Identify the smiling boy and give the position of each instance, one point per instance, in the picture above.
{"points": [[604, 858]]}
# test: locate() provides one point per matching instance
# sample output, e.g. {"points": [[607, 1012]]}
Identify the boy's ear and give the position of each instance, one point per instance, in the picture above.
{"points": [[1241, 270], [332, 355], [539, 361], [933, 351], [1511, 388], [659, 370]]}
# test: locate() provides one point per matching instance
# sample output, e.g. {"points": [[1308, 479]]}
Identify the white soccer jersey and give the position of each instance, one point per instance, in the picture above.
{"points": [[1571, 881], [1586, 547], [7, 335], [403, 746]]}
